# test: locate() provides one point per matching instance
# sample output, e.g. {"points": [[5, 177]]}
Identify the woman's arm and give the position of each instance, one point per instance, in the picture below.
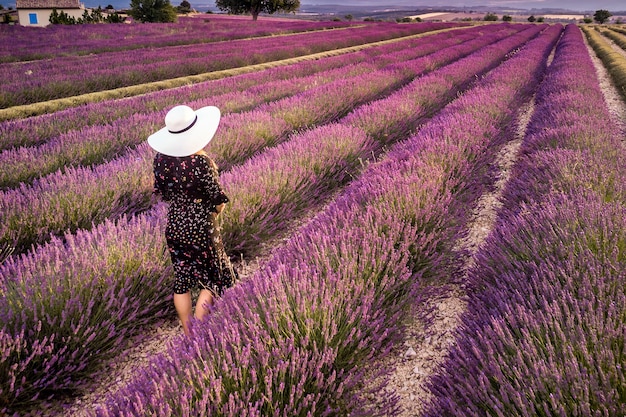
{"points": [[209, 183]]}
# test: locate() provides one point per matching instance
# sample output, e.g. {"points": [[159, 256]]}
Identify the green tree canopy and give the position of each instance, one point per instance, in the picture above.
{"points": [[95, 16], [601, 16], [185, 7], [490, 17], [61, 18], [152, 11], [254, 7]]}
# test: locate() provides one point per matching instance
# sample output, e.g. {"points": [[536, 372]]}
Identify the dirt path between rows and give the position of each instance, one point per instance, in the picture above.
{"points": [[413, 362], [425, 349], [614, 100]]}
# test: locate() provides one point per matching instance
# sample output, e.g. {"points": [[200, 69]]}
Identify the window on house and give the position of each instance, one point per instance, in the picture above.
{"points": [[32, 18]]}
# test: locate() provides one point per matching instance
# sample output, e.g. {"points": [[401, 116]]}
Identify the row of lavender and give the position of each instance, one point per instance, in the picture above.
{"points": [[75, 198], [612, 59], [546, 323], [58, 327], [36, 130], [96, 144], [295, 339], [616, 34], [31, 82], [20, 43]]}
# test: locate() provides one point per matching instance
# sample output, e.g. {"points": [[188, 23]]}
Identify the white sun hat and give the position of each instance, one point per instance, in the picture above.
{"points": [[186, 131]]}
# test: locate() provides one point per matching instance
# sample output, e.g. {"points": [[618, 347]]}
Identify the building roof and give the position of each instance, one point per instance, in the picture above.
{"points": [[47, 4]]}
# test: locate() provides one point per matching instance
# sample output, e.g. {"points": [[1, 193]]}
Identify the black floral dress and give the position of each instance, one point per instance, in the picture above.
{"points": [[190, 185]]}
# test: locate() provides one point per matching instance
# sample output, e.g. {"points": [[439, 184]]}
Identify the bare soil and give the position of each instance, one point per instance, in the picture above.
{"points": [[614, 100], [425, 349]]}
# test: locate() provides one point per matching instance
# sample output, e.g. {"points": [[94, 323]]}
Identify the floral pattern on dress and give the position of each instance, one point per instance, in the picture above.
{"points": [[190, 184]]}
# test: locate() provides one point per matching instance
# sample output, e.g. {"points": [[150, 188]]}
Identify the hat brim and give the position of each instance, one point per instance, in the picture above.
{"points": [[192, 140]]}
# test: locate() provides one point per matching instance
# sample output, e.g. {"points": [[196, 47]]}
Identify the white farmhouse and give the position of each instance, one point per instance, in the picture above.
{"points": [[37, 12]]}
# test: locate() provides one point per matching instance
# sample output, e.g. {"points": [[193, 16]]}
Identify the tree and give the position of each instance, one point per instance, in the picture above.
{"points": [[185, 7], [5, 17], [114, 18], [96, 16], [531, 18], [254, 7], [61, 18], [490, 17], [152, 11], [601, 16], [507, 18]]}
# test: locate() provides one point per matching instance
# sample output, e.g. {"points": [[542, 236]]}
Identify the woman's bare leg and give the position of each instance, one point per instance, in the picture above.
{"points": [[205, 300], [182, 303]]}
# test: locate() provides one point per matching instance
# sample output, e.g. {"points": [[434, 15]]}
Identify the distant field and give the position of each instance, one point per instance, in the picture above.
{"points": [[449, 17]]}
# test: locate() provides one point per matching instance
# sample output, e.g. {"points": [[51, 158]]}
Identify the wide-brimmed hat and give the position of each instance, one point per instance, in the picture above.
{"points": [[186, 131]]}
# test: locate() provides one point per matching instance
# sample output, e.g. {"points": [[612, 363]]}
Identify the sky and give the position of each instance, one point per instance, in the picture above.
{"points": [[574, 5]]}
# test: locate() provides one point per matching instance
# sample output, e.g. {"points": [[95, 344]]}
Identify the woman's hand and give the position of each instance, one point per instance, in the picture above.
{"points": [[220, 207]]}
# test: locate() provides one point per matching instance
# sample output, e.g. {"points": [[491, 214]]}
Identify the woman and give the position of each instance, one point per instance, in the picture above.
{"points": [[187, 178]]}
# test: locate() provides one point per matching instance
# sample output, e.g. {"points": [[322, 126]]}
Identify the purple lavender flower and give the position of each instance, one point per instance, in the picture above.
{"points": [[544, 329], [293, 339]]}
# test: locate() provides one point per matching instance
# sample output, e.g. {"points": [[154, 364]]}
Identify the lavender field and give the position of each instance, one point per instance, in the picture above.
{"points": [[352, 176]]}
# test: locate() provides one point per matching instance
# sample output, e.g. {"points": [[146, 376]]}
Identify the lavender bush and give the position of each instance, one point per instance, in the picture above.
{"points": [[614, 62], [416, 189], [69, 76], [94, 144], [19, 43], [249, 225], [70, 199], [58, 313], [312, 65], [329, 300], [36, 130], [26, 211], [430, 91], [547, 324], [544, 330], [61, 316]]}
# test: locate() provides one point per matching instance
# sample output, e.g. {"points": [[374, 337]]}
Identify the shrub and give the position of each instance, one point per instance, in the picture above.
{"points": [[490, 17]]}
